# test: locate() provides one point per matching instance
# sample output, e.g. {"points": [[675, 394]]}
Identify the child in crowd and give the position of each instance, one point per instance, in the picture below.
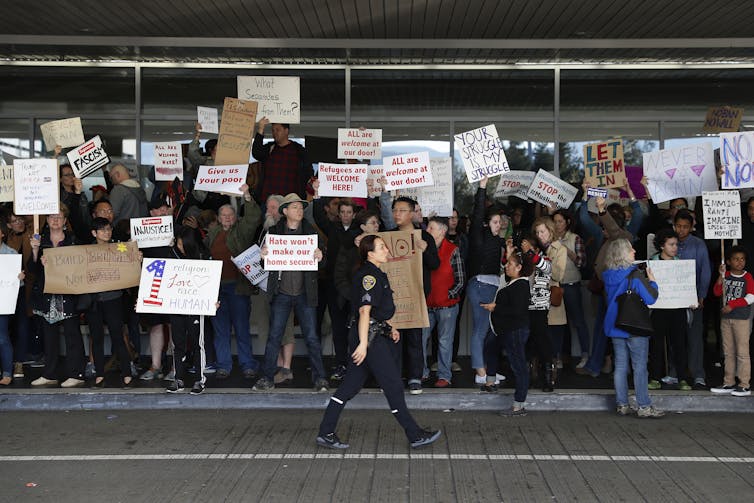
{"points": [[734, 323]]}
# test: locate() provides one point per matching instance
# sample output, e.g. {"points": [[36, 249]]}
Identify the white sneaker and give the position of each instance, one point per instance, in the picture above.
{"points": [[741, 391], [72, 382], [669, 380], [43, 381], [723, 390], [582, 362], [482, 380]]}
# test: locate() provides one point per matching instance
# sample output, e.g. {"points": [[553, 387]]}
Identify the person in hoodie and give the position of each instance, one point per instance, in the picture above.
{"points": [[127, 196]]}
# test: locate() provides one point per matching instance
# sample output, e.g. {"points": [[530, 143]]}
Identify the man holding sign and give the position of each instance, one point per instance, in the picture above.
{"points": [[285, 164]]}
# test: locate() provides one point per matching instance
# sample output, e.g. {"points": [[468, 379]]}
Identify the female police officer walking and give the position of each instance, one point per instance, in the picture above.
{"points": [[369, 340]]}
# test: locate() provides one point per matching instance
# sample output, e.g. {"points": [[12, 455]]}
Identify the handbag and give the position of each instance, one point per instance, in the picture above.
{"points": [[556, 294], [633, 314]]}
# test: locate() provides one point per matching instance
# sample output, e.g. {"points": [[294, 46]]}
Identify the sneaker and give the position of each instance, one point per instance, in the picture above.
{"points": [[90, 371], [36, 363], [669, 380], [72, 382], [170, 376], [582, 362], [583, 371], [723, 390], [454, 367], [197, 388], [433, 367], [741, 391], [321, 386], [425, 438], [649, 412], [262, 384], [338, 374], [134, 370], [250, 374], [331, 441], [442, 383], [18, 369], [480, 379], [283, 376], [43, 381], [175, 386], [684, 386], [221, 374], [210, 368], [700, 384], [415, 388], [654, 384], [624, 410], [151, 374], [513, 412]]}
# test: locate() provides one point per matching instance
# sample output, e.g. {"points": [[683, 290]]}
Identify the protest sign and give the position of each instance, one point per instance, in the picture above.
{"points": [[482, 153], [547, 188], [723, 120], [676, 281], [207, 118], [236, 132], [404, 271], [92, 268], [250, 264], [736, 157], [278, 97], [613, 196], [66, 133], [291, 252], [175, 286], [374, 186], [359, 143], [684, 171], [407, 170], [150, 232], [6, 183], [35, 187], [603, 164], [436, 199], [223, 179], [342, 180], [634, 174], [10, 268], [722, 215], [596, 192], [88, 158], [514, 183], [168, 161]]}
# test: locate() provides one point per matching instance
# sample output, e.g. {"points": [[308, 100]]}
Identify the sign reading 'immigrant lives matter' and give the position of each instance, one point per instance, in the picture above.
{"points": [[722, 214], [174, 286]]}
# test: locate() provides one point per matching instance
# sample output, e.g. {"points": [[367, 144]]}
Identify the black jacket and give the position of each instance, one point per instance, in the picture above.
{"points": [[310, 277], [260, 151], [485, 250]]}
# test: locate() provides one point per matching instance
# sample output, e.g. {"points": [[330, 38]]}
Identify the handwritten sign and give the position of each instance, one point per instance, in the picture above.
{"points": [[151, 232], [168, 161], [359, 143], [290, 253], [407, 170], [722, 215], [547, 188], [250, 264], [684, 171], [6, 183], [236, 132], [603, 164], [174, 286], [92, 268], [223, 179], [435, 199], [10, 268], [611, 196], [514, 183], [375, 174], [482, 153], [66, 133], [35, 187], [278, 97], [737, 158], [676, 281], [88, 158], [207, 118], [342, 180], [723, 120]]}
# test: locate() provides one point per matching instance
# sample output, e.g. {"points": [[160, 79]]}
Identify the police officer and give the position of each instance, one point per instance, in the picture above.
{"points": [[370, 338]]}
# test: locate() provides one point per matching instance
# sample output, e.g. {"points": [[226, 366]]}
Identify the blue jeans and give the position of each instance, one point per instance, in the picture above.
{"points": [[280, 309], [638, 350], [23, 328], [575, 315], [599, 341], [234, 311], [445, 319], [515, 346], [477, 293], [6, 349]]}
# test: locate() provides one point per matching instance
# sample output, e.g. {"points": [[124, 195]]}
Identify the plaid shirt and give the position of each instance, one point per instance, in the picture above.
{"points": [[459, 276], [281, 168], [580, 252]]}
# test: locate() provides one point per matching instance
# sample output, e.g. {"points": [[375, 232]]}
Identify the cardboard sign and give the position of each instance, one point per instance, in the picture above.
{"points": [[514, 183], [207, 118], [6, 183], [342, 180], [375, 174], [168, 161], [435, 199], [250, 264], [404, 271], [174, 286], [236, 132], [723, 120], [737, 157], [482, 153], [407, 170], [92, 268], [88, 158], [359, 143], [603, 164], [35, 187], [676, 280], [151, 232], [684, 171], [223, 179], [66, 133], [291, 252], [547, 188], [278, 97], [10, 268], [722, 215]]}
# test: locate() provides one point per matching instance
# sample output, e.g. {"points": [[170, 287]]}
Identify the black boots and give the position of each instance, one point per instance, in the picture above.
{"points": [[548, 377]]}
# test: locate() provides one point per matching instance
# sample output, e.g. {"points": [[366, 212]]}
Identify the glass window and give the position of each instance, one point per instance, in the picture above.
{"points": [[14, 139]]}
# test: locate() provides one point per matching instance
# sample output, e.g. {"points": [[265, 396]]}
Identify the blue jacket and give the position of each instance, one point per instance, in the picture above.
{"points": [[616, 283], [693, 248]]}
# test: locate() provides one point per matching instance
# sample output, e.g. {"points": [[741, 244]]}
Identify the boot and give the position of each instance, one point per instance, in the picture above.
{"points": [[548, 371], [534, 369]]}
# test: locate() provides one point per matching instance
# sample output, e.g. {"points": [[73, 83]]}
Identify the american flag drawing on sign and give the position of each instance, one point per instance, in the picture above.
{"points": [[157, 267]]}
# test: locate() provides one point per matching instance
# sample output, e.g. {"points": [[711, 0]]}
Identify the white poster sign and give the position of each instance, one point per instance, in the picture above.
{"points": [[407, 170], [223, 179], [10, 268], [207, 118], [6, 183], [435, 199], [547, 188], [482, 153], [514, 183], [374, 177], [173, 286], [676, 280], [88, 158], [342, 180], [278, 97], [151, 232], [66, 133], [250, 264], [737, 157], [35, 187], [168, 161], [290, 253], [359, 143], [722, 214], [684, 171]]}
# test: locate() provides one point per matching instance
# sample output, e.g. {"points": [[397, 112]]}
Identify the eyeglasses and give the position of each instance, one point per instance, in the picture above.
{"points": [[679, 207], [16, 221]]}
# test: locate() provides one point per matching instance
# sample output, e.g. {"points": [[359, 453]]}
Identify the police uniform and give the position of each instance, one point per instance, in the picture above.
{"points": [[370, 287]]}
